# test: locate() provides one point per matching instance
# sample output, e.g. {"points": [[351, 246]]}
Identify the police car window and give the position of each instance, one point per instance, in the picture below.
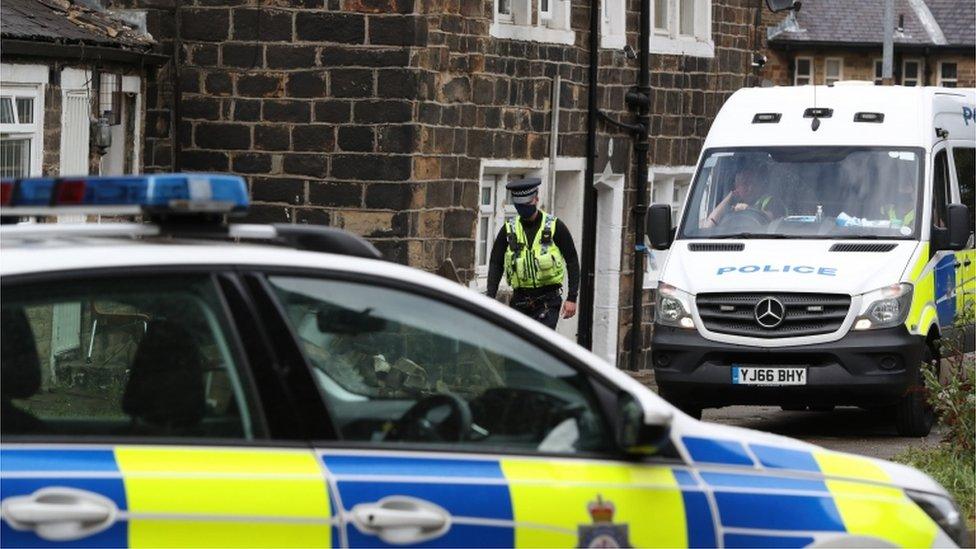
{"points": [[128, 358], [940, 181], [397, 368]]}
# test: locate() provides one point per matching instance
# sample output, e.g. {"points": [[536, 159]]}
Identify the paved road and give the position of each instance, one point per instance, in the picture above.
{"points": [[844, 429]]}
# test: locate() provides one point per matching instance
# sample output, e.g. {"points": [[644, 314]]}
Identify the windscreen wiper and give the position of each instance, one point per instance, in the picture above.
{"points": [[747, 235], [863, 237]]}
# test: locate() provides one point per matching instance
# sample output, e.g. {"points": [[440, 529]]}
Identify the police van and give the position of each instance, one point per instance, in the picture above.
{"points": [[186, 381], [823, 251]]}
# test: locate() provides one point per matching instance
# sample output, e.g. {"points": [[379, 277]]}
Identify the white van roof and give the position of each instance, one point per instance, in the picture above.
{"points": [[911, 116]]}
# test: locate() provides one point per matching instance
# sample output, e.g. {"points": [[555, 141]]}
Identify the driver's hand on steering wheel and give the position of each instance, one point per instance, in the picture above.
{"points": [[740, 206]]}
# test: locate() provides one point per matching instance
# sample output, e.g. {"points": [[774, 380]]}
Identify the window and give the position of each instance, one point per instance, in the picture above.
{"points": [[965, 161], [911, 72], [947, 75], [493, 209], [940, 190], [533, 20], [833, 70], [878, 72], [395, 367], [682, 27], [137, 357], [668, 185], [20, 130], [613, 30], [804, 71]]}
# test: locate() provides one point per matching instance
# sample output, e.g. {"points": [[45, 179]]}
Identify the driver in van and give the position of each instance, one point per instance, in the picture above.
{"points": [[748, 192], [900, 210]]}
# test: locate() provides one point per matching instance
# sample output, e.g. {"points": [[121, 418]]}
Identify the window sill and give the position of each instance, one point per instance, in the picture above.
{"points": [[682, 45], [512, 31]]}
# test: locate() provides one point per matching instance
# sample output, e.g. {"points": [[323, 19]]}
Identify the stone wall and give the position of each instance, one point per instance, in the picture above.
{"points": [[376, 115]]}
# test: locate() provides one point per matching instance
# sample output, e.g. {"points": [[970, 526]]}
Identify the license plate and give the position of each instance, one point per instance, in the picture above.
{"points": [[752, 375]]}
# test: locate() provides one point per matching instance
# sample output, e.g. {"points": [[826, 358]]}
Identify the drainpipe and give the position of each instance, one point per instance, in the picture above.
{"points": [[584, 334], [177, 113], [639, 100]]}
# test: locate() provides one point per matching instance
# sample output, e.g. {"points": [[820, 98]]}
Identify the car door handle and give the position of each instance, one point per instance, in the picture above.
{"points": [[401, 520], [968, 262], [60, 513], [957, 265]]}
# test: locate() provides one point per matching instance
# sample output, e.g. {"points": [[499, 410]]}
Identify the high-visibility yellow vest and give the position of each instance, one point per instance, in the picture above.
{"points": [[906, 221], [535, 266]]}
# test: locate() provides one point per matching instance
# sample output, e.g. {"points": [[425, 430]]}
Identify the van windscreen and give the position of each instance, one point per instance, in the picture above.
{"points": [[806, 192]]}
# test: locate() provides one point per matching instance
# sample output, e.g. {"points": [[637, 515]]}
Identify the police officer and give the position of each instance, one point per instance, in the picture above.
{"points": [[535, 249]]}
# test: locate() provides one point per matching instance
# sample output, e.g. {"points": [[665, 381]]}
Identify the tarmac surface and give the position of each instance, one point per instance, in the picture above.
{"points": [[868, 433]]}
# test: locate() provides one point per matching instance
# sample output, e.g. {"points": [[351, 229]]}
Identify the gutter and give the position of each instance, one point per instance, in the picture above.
{"points": [[81, 52]]}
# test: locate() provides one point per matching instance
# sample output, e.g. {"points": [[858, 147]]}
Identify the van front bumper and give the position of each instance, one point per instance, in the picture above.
{"points": [[869, 368]]}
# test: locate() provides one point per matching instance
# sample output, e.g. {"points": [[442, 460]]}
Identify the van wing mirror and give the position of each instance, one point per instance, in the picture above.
{"points": [[659, 226], [776, 6], [638, 431], [958, 226]]}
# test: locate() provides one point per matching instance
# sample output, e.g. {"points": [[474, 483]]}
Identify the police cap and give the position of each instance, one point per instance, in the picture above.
{"points": [[524, 190]]}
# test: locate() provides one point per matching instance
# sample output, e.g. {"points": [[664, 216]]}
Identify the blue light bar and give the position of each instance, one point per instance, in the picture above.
{"points": [[152, 193]]}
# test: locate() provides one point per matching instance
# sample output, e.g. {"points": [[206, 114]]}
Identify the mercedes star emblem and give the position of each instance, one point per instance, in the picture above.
{"points": [[770, 312]]}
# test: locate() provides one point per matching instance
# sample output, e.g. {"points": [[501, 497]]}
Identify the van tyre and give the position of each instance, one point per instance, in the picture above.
{"points": [[914, 416]]}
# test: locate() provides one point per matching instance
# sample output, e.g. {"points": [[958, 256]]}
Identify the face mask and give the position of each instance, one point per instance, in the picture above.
{"points": [[525, 211]]}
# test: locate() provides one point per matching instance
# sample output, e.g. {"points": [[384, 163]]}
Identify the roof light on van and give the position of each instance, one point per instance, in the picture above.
{"points": [[766, 118], [124, 195], [876, 117], [818, 112]]}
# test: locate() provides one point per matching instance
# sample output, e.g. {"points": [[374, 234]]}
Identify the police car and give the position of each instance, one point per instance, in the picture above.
{"points": [[187, 382]]}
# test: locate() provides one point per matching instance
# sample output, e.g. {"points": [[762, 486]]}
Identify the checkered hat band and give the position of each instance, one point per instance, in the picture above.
{"points": [[524, 196]]}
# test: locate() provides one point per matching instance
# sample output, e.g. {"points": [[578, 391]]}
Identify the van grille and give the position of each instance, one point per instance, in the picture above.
{"points": [[856, 247], [803, 314], [716, 247]]}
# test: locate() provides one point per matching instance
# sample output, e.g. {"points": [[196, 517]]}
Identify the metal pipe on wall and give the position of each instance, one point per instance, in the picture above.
{"points": [[584, 333], [640, 99]]}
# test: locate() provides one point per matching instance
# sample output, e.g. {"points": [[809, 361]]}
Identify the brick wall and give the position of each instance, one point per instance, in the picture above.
{"points": [[375, 115], [859, 65]]}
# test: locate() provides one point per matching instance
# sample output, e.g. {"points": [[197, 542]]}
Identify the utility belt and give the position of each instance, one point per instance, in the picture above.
{"points": [[533, 298]]}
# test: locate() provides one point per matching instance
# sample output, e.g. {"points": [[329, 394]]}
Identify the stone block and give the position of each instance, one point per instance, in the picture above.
{"points": [[205, 25], [218, 83], [314, 165], [396, 139], [226, 136], [459, 223], [251, 163], [397, 83], [290, 57], [271, 137], [389, 196], [313, 137], [333, 111], [339, 195], [380, 6], [246, 110], [260, 85], [276, 189], [287, 111], [243, 56], [201, 108], [204, 161], [371, 112], [330, 27], [306, 84], [266, 25], [356, 138], [313, 216], [367, 223], [397, 30], [351, 82], [339, 56], [426, 167]]}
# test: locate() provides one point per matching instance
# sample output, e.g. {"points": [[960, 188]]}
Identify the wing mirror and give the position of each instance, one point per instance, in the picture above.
{"points": [[958, 226], [659, 226], [640, 432]]}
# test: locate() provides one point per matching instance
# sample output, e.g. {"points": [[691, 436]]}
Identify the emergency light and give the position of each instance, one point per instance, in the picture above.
{"points": [[176, 194]]}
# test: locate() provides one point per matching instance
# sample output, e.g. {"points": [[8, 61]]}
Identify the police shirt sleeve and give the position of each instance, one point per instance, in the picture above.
{"points": [[496, 263], [564, 239]]}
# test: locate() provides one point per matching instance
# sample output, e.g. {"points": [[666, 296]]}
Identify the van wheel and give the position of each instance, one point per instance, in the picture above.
{"points": [[914, 416]]}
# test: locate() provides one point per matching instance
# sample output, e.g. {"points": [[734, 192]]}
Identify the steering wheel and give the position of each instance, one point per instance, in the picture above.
{"points": [[415, 425], [744, 220]]}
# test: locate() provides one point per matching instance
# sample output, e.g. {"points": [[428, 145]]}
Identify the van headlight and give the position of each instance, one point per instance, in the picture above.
{"points": [[672, 307], [885, 307], [944, 512]]}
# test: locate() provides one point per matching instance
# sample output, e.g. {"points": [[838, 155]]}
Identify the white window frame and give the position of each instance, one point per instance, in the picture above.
{"points": [[942, 80], [878, 80], [527, 22], [613, 24], [27, 81], [670, 41], [132, 85], [497, 173], [919, 76], [796, 71], [828, 80], [663, 181]]}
